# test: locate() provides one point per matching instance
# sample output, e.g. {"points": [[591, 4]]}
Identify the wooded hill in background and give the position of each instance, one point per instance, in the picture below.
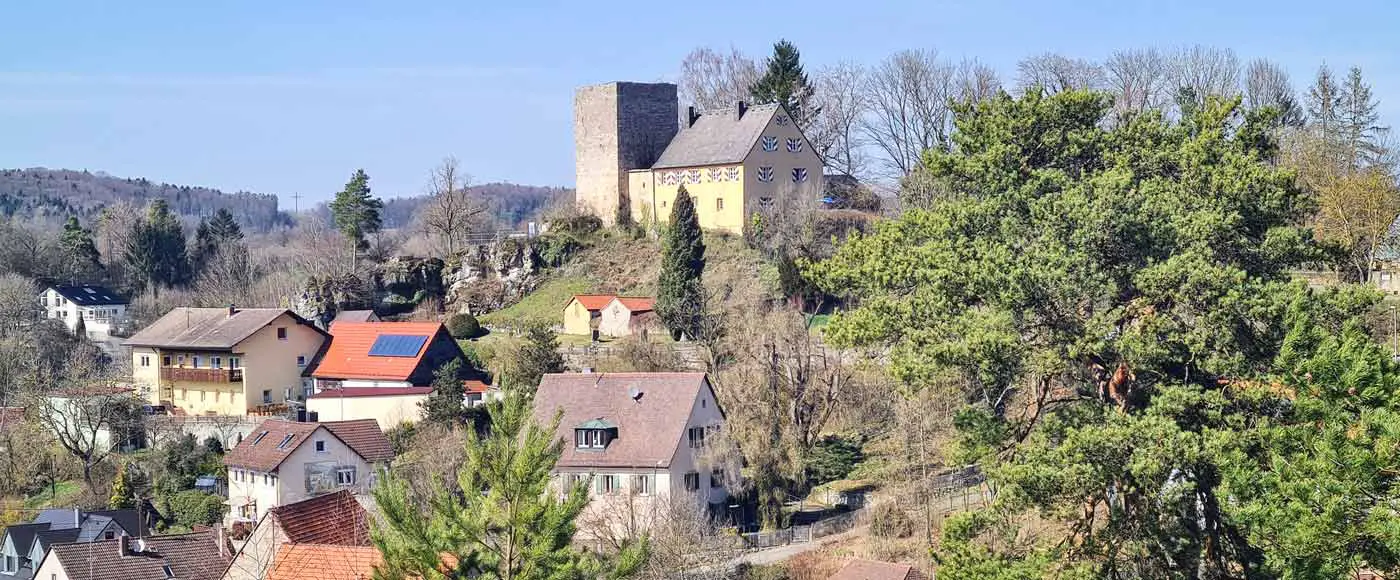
{"points": [[51, 195]]}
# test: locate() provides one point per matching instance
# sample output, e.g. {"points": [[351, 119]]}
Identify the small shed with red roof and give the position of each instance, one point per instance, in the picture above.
{"points": [[628, 315], [583, 310]]}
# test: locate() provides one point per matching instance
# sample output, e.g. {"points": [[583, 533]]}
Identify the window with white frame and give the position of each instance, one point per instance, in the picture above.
{"points": [[345, 476], [692, 481], [641, 484]]}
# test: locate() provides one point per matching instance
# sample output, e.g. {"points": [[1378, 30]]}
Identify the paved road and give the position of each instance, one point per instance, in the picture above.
{"points": [[781, 553]]}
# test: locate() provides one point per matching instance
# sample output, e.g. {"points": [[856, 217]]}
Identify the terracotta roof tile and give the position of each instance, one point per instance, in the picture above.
{"points": [[321, 562], [335, 518], [648, 428], [365, 437], [594, 301], [263, 450], [348, 356], [637, 303], [872, 570], [190, 557], [208, 327]]}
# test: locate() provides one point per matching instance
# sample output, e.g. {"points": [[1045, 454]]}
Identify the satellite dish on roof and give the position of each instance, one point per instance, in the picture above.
{"points": [[635, 393]]}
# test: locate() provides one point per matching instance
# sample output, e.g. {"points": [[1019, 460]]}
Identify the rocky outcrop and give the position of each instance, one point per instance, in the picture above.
{"points": [[491, 277]]}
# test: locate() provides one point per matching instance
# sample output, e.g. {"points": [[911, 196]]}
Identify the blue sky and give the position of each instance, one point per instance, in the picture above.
{"points": [[290, 97]]}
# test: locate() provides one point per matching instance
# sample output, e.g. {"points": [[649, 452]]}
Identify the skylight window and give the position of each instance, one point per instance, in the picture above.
{"points": [[259, 438], [285, 441]]}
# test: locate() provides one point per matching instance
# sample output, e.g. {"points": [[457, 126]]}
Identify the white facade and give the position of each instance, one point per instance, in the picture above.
{"points": [[98, 320], [9, 558], [320, 464], [389, 411]]}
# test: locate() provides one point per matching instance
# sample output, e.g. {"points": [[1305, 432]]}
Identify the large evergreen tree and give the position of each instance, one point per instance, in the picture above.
{"points": [[1112, 302], [785, 83], [356, 212], [1359, 122], [680, 299], [499, 519], [447, 402], [213, 234], [80, 254], [155, 251], [537, 355]]}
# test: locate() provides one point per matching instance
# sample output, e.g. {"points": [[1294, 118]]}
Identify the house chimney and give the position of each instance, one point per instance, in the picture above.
{"points": [[691, 116], [301, 415], [123, 546], [740, 109], [231, 310], [221, 536]]}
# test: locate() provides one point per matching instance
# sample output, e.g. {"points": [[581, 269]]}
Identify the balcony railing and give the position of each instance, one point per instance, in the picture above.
{"points": [[179, 374]]}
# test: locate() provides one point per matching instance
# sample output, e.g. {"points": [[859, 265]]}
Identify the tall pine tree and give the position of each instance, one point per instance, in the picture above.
{"points": [[81, 259], [680, 301], [500, 520], [785, 83], [155, 251], [1359, 122], [356, 212], [214, 233]]}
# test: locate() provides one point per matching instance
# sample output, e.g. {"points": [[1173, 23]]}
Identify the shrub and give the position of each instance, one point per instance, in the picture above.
{"points": [[889, 521], [464, 326], [191, 508], [833, 458], [401, 437]]}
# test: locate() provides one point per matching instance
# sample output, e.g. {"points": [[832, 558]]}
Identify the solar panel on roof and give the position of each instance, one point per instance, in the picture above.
{"points": [[406, 345]]}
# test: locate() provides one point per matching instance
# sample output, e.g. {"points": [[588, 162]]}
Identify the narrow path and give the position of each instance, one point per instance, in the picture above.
{"points": [[781, 553]]}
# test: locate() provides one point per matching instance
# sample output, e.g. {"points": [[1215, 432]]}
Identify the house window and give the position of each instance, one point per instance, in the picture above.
{"points": [[180, 360], [165, 361], [145, 360], [719, 203], [109, 534], [697, 437], [692, 481], [642, 484], [717, 478], [202, 394], [608, 483], [320, 445], [194, 360], [301, 361], [216, 362], [590, 438], [799, 175], [345, 476], [281, 333], [233, 362], [267, 396]]}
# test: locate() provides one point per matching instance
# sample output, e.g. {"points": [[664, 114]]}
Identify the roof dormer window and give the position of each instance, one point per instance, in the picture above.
{"points": [[594, 435]]}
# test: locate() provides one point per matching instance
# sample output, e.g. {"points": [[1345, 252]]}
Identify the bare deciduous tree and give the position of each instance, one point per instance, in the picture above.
{"points": [[450, 214], [87, 414], [1200, 72], [18, 308], [320, 250], [227, 277], [835, 130], [1138, 79], [1055, 73], [714, 80], [976, 81], [1266, 84], [908, 95]]}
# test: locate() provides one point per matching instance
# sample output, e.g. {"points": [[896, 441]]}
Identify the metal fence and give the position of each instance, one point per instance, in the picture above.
{"points": [[806, 533]]}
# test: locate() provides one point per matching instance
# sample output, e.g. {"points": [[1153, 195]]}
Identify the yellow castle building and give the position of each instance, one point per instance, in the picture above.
{"points": [[634, 153]]}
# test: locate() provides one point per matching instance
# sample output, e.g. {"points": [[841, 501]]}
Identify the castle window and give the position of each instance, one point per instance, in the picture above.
{"points": [[799, 175], [765, 173], [794, 145], [719, 203], [770, 143]]}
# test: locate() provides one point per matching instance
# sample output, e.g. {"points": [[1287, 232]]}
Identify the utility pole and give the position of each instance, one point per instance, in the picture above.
{"points": [[296, 202]]}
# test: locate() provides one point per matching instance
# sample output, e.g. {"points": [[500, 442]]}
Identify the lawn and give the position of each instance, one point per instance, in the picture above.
{"points": [[545, 304], [63, 494]]}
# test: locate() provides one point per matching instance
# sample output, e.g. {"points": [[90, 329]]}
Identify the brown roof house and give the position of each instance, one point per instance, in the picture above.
{"points": [[334, 519], [283, 462], [225, 361], [628, 316], [638, 440], [197, 556], [872, 570]]}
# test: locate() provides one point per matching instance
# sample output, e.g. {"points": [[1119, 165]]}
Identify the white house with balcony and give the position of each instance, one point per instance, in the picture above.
{"points": [[101, 309], [283, 462], [638, 440]]}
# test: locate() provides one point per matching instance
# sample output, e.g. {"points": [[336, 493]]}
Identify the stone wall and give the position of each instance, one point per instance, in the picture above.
{"points": [[619, 127]]}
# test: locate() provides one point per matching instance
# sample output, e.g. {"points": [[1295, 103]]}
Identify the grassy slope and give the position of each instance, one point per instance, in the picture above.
{"points": [[546, 303], [68, 492]]}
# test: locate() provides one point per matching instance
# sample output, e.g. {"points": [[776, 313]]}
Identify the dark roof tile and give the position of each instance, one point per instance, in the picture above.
{"points": [[190, 556]]}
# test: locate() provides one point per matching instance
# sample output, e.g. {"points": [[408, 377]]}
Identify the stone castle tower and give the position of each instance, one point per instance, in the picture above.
{"points": [[619, 127]]}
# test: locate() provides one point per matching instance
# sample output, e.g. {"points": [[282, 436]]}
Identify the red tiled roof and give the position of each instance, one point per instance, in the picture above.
{"points": [[594, 301], [474, 386], [365, 437], [193, 556], [872, 570], [637, 303], [348, 356], [335, 518], [321, 562], [351, 392], [649, 428], [262, 449]]}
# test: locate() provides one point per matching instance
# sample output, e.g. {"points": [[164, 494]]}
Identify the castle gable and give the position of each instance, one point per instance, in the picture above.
{"points": [[718, 137]]}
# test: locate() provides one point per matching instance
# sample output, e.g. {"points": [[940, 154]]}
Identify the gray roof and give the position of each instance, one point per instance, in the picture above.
{"points": [[356, 316], [89, 295], [23, 535], [58, 518], [51, 537], [717, 137], [211, 328]]}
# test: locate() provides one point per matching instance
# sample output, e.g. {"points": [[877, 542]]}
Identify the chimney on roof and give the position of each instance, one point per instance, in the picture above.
{"points": [[301, 415], [691, 116], [221, 536], [740, 109], [231, 310], [123, 546]]}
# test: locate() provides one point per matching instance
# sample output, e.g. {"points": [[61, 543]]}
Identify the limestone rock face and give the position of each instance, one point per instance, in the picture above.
{"points": [[491, 277]]}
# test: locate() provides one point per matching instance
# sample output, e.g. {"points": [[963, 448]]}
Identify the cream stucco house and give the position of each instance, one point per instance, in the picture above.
{"points": [[101, 309], [224, 361], [638, 440], [283, 462]]}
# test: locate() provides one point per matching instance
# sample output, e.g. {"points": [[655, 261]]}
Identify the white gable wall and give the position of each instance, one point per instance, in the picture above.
{"points": [[288, 484]]}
